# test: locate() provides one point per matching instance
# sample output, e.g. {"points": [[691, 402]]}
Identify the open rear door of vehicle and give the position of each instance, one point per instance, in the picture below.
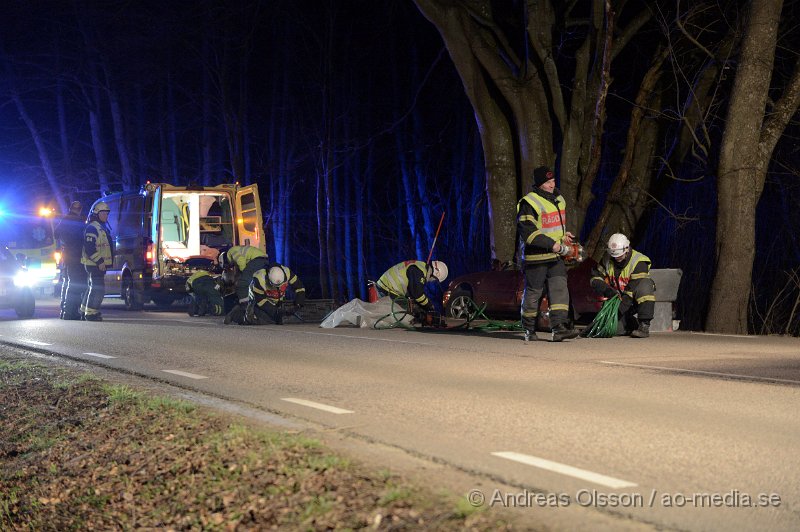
{"points": [[249, 222]]}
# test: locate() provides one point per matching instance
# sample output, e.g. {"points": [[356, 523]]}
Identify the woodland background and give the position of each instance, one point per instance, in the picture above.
{"points": [[363, 121]]}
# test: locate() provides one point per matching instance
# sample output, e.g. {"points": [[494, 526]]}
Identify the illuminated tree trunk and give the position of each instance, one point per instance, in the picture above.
{"points": [[747, 145]]}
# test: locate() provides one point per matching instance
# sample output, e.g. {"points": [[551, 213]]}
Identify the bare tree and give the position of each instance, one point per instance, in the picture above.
{"points": [[507, 61]]}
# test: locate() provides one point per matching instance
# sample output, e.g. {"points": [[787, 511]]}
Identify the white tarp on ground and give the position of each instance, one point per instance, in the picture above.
{"points": [[363, 314]]}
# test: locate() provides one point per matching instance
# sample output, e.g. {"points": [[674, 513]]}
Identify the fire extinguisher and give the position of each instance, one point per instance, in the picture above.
{"points": [[372, 292]]}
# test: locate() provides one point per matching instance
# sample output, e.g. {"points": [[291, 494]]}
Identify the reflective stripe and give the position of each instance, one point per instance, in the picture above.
{"points": [[241, 255], [102, 245], [621, 281], [395, 280], [195, 276], [540, 257], [550, 221], [646, 298], [261, 291]]}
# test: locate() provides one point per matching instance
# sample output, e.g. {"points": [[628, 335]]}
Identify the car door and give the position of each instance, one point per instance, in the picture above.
{"points": [[249, 222], [508, 291]]}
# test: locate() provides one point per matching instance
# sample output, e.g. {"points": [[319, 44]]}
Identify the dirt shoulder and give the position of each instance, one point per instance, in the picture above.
{"points": [[80, 452]]}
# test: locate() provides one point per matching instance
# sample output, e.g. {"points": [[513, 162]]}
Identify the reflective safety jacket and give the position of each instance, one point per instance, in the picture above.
{"points": [[407, 279], [621, 277], [96, 246], [241, 255], [199, 274], [541, 222], [263, 292]]}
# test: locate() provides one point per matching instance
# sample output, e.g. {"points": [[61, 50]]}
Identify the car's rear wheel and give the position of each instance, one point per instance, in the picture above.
{"points": [[130, 295], [460, 305], [26, 304]]}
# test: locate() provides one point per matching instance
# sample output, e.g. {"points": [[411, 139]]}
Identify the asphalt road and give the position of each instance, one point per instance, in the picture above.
{"points": [[677, 431]]}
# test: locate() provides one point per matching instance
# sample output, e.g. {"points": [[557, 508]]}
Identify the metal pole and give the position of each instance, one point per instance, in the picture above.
{"points": [[434, 238]]}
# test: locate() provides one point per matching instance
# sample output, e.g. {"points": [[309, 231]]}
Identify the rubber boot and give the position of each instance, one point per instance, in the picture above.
{"points": [[642, 332], [560, 333]]}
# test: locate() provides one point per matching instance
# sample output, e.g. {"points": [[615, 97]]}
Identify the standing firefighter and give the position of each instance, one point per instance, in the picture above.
{"points": [[408, 278], [206, 296], [268, 294], [69, 234], [242, 262], [544, 240], [97, 257], [625, 273]]}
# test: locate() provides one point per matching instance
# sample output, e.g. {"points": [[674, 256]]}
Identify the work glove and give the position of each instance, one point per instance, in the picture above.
{"points": [[625, 305], [609, 292], [300, 299]]}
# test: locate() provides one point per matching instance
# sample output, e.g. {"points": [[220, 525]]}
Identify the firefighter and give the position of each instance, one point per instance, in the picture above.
{"points": [[267, 297], [69, 234], [544, 241], [97, 257], [241, 263], [408, 278], [625, 273], [205, 292]]}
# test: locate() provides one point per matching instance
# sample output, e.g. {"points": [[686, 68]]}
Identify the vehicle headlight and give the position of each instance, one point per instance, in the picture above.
{"points": [[24, 278]]}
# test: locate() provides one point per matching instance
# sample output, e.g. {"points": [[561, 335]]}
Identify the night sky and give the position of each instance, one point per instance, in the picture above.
{"points": [[107, 95]]}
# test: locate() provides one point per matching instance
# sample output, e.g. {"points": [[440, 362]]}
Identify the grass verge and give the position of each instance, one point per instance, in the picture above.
{"points": [[80, 453]]}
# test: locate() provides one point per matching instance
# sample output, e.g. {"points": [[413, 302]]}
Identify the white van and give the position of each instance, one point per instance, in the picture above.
{"points": [[163, 233]]}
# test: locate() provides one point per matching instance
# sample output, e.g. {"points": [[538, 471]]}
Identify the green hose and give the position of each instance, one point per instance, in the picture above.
{"points": [[399, 311], [604, 325]]}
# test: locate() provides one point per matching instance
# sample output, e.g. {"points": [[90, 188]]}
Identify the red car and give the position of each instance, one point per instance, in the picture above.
{"points": [[501, 291]]}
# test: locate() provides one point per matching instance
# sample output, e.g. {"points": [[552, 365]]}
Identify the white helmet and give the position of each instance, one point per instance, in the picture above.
{"points": [[276, 276], [99, 207], [618, 245], [439, 270]]}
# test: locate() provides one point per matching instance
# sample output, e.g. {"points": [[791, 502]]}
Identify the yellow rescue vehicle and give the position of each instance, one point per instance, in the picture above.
{"points": [[32, 235]]}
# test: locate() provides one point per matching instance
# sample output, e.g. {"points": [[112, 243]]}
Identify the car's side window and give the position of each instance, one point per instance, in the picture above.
{"points": [[130, 216]]}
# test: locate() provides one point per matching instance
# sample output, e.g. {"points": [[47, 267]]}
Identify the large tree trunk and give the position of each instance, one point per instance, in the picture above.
{"points": [[742, 170], [613, 217], [517, 95]]}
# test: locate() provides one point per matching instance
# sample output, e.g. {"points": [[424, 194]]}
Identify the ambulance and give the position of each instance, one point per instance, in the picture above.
{"points": [[32, 235], [163, 233]]}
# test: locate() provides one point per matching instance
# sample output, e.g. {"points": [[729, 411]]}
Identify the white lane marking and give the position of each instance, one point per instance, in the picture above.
{"points": [[184, 374], [34, 342], [98, 355], [737, 336], [318, 406], [565, 469], [701, 372]]}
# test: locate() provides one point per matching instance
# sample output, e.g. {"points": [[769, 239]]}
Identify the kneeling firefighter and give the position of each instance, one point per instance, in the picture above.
{"points": [[206, 297], [241, 262], [408, 278], [267, 298], [625, 273]]}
